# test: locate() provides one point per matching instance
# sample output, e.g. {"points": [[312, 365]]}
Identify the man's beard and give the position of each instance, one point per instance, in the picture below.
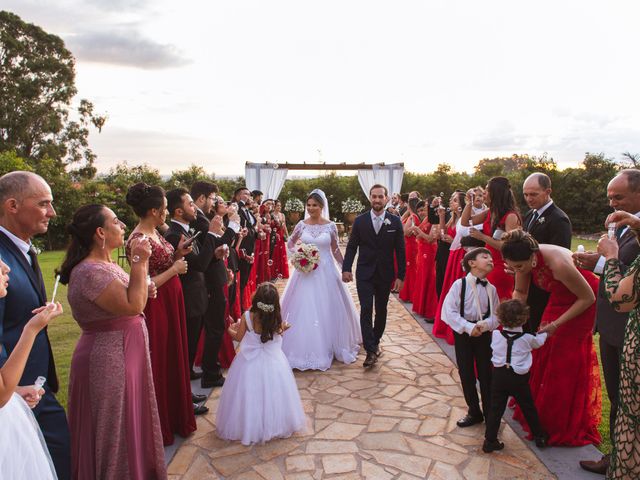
{"points": [[377, 208]]}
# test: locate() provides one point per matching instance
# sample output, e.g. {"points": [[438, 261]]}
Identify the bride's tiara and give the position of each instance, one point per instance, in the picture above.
{"points": [[265, 307]]}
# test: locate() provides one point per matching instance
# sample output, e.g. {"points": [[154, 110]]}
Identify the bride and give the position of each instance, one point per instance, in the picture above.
{"points": [[324, 321]]}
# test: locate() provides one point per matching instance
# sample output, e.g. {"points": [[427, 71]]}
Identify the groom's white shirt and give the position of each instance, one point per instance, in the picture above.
{"points": [[377, 220]]}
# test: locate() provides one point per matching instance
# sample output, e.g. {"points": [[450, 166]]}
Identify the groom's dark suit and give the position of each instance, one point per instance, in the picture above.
{"points": [[26, 292], [375, 270]]}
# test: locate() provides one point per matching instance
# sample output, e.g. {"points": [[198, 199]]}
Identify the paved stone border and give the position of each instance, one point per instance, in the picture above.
{"points": [[395, 421]]}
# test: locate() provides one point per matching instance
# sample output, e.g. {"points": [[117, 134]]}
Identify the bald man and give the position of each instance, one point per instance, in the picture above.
{"points": [[25, 210]]}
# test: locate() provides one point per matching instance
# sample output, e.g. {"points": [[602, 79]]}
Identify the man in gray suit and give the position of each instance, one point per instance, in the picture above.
{"points": [[624, 194]]}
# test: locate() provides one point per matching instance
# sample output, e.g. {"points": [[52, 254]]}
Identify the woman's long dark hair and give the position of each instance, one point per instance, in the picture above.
{"points": [[271, 322], [82, 228], [502, 200]]}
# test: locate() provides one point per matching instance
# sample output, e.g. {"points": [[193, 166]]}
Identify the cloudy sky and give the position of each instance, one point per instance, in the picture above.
{"points": [[219, 83]]}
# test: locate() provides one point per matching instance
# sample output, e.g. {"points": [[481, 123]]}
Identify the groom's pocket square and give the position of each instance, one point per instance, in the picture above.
{"points": [[391, 231]]}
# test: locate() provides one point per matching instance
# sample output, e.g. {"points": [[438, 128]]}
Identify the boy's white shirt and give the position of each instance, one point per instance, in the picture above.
{"points": [[451, 307]]}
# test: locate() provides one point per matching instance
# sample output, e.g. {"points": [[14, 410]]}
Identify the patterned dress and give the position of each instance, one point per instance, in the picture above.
{"points": [[625, 455], [113, 417]]}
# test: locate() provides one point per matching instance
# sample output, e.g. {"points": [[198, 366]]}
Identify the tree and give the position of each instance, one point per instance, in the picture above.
{"points": [[632, 159], [37, 85], [186, 178], [10, 162]]}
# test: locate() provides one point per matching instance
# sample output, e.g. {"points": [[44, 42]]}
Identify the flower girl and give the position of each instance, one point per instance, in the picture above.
{"points": [[260, 399]]}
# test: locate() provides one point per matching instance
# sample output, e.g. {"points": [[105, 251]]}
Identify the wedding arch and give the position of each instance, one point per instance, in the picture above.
{"points": [[269, 177]]}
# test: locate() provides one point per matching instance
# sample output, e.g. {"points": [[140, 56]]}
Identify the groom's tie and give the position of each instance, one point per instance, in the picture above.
{"points": [[377, 223]]}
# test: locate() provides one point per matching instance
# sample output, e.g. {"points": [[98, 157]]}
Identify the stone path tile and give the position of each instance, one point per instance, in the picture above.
{"points": [[394, 421]]}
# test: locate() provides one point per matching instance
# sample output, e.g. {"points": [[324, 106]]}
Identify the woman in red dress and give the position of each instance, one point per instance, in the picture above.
{"points": [[164, 315], [454, 232], [501, 217], [424, 298], [411, 250], [564, 377], [280, 260], [263, 262]]}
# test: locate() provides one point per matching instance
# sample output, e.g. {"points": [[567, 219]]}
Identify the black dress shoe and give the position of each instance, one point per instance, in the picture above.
{"points": [[199, 409], [211, 383], [429, 320], [379, 352], [491, 446], [541, 441], [195, 398], [371, 359], [600, 467], [469, 420], [195, 375]]}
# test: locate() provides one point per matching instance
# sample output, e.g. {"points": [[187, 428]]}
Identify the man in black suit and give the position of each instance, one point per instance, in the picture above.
{"points": [[205, 196], [26, 207], [247, 220], [623, 192], [182, 211], [547, 224], [375, 236]]}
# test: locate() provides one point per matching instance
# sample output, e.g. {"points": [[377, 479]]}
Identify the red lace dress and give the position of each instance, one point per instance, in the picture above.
{"points": [[166, 323], [411, 250], [564, 377], [454, 272], [280, 260], [263, 262], [500, 279], [425, 298]]}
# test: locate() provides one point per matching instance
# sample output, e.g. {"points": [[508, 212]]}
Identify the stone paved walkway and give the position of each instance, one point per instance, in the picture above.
{"points": [[395, 421]]}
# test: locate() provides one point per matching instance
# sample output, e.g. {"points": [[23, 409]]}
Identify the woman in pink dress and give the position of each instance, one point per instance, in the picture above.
{"points": [[164, 314], [564, 377], [425, 299], [501, 217], [113, 416]]}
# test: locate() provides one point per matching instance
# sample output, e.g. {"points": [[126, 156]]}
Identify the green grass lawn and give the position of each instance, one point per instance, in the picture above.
{"points": [[64, 333]]}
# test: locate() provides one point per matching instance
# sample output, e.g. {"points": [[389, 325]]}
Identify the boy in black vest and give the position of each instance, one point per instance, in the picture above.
{"points": [[469, 309], [512, 361]]}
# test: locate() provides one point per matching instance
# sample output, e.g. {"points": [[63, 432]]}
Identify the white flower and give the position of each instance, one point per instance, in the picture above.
{"points": [[294, 205], [387, 221], [265, 307], [352, 205], [541, 220]]}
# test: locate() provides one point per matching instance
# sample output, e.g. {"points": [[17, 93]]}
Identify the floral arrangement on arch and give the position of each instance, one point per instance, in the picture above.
{"points": [[306, 257], [352, 205], [293, 204]]}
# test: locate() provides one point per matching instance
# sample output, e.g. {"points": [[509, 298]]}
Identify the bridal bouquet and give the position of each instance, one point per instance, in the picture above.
{"points": [[306, 257]]}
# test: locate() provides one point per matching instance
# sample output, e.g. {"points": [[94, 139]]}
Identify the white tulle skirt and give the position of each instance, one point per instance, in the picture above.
{"points": [[324, 321], [23, 453], [259, 399]]}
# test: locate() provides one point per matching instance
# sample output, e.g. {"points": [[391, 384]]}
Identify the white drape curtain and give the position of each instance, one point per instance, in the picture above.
{"points": [[266, 177], [388, 175]]}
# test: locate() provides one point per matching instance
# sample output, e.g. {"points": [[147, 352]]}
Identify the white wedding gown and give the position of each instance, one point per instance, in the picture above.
{"points": [[324, 321], [23, 453]]}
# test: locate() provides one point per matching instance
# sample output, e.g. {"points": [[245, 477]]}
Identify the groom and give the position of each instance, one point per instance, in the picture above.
{"points": [[375, 235]]}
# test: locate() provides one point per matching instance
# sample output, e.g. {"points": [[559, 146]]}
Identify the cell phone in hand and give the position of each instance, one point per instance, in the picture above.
{"points": [[190, 240]]}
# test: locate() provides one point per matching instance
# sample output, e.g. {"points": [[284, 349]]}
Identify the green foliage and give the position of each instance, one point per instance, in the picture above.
{"points": [[186, 178], [37, 85], [10, 162]]}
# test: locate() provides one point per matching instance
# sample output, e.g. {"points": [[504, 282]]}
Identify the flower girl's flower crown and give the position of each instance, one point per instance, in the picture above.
{"points": [[265, 307]]}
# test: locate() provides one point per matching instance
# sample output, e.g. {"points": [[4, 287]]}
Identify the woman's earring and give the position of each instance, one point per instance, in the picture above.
{"points": [[104, 242], [534, 263]]}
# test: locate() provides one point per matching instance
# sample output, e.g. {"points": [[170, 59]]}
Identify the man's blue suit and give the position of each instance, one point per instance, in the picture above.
{"points": [[375, 270], [26, 292]]}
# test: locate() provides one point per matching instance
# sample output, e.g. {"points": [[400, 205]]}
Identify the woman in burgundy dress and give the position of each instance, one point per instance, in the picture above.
{"points": [[164, 315], [501, 217], [564, 376], [280, 260], [425, 299], [113, 416]]}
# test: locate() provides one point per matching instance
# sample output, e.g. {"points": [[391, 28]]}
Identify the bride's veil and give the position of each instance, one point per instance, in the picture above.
{"points": [[325, 208]]}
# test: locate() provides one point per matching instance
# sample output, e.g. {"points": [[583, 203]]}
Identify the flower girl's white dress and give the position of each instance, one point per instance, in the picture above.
{"points": [[324, 321], [260, 399], [23, 453]]}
